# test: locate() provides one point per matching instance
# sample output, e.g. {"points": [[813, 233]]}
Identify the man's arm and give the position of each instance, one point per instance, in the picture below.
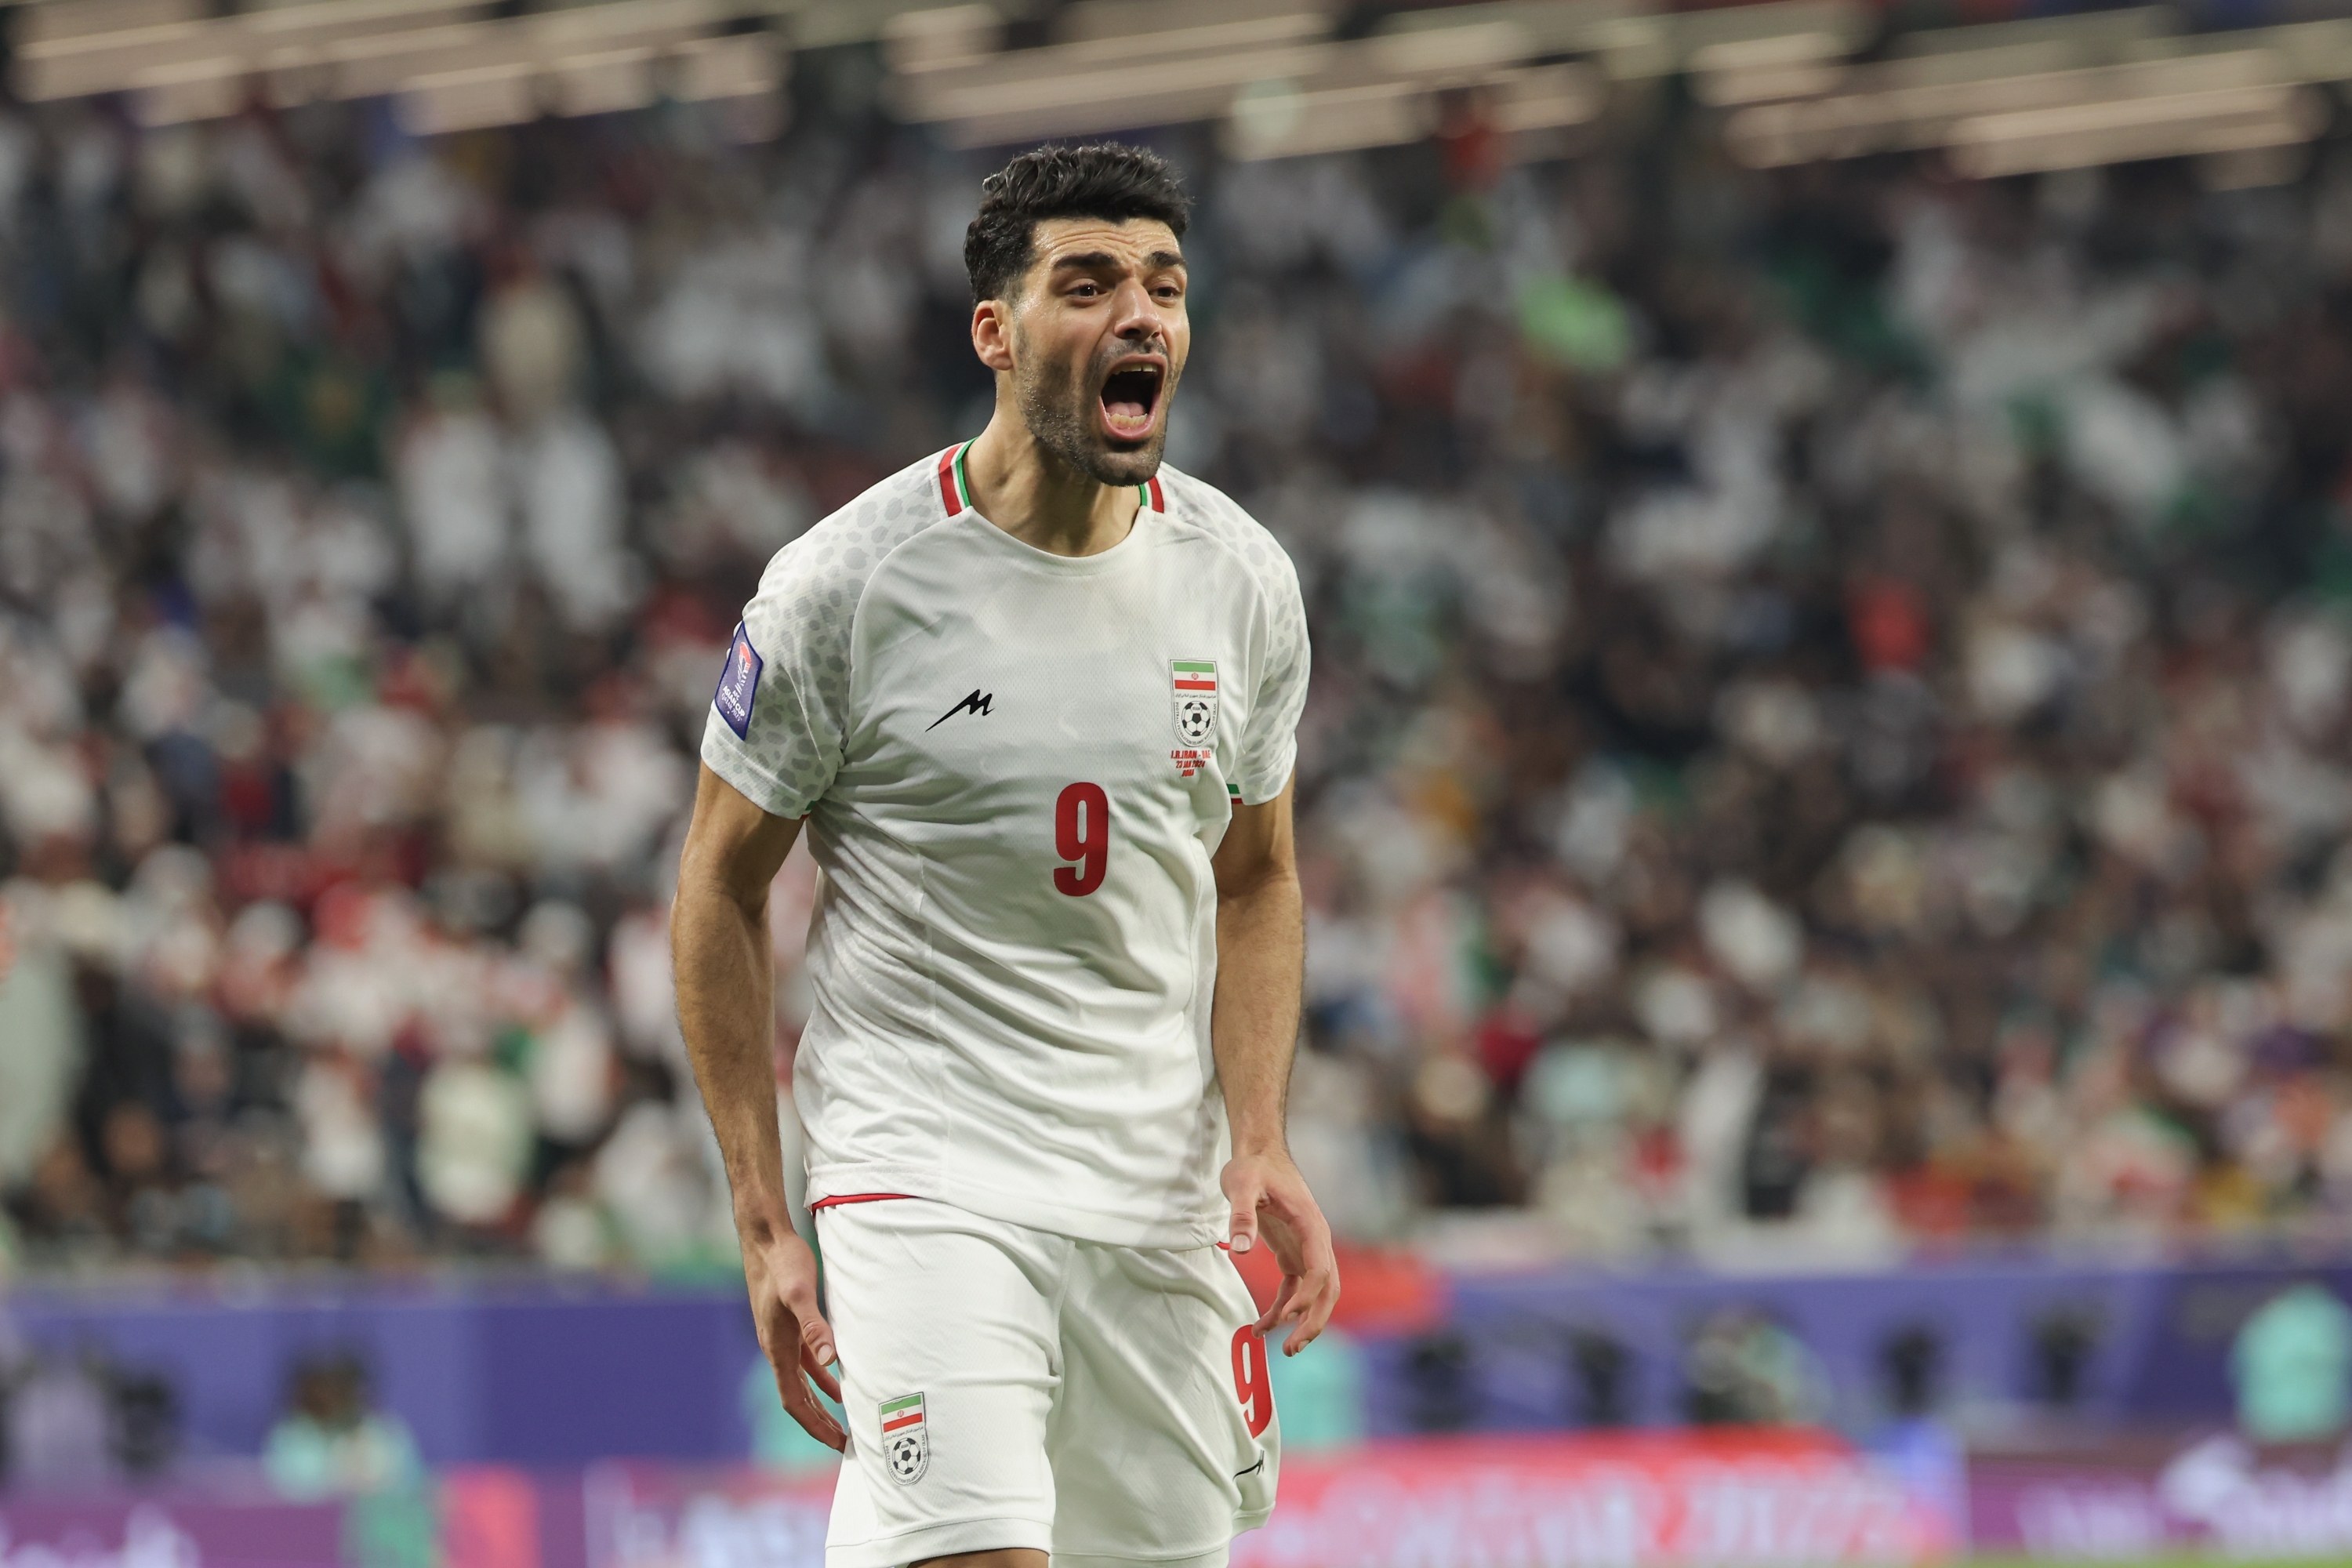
{"points": [[1254, 1028], [726, 1007]]}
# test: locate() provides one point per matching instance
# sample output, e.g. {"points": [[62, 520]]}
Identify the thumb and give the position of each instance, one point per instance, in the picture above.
{"points": [[1244, 1227], [816, 1334]]}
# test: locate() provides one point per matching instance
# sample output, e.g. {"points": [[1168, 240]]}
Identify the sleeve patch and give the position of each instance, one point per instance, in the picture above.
{"points": [[739, 684]]}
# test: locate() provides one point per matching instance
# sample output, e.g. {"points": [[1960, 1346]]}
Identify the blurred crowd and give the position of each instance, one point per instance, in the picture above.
{"points": [[1828, 726]]}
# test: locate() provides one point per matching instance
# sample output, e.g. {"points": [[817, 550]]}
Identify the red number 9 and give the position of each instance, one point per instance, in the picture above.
{"points": [[1082, 833], [1251, 1380]]}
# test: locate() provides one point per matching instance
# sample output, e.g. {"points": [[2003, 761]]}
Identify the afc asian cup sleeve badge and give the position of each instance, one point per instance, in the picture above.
{"points": [[905, 1438], [1195, 687], [739, 684]]}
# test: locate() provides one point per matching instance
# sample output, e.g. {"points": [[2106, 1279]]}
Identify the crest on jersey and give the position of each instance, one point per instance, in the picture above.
{"points": [[905, 1438], [1195, 684]]}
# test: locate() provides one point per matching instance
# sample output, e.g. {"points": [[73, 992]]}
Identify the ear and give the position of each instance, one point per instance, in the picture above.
{"points": [[991, 333]]}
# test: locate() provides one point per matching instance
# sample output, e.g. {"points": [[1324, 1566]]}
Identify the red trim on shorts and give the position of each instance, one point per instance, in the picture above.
{"points": [[856, 1198]]}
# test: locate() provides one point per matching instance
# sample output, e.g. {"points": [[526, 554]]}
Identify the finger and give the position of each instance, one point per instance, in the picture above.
{"points": [[814, 1418], [1316, 1315], [1272, 1313], [816, 1334], [1318, 1288], [1292, 1303], [825, 1381]]}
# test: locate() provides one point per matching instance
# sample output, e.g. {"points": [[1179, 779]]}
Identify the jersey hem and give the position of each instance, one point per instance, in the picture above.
{"points": [[1055, 1216]]}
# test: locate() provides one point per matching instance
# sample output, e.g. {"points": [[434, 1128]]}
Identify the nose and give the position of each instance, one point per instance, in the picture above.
{"points": [[1132, 315]]}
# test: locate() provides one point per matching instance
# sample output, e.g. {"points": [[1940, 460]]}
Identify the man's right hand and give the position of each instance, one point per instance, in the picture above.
{"points": [[781, 1273]]}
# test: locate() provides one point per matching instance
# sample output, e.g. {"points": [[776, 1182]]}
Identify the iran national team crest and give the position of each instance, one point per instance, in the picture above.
{"points": [[1195, 682], [905, 1438]]}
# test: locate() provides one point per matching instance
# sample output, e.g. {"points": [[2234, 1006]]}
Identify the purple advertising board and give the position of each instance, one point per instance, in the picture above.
{"points": [[169, 1529], [639, 1516], [2213, 1493], [553, 1376], [1724, 1499]]}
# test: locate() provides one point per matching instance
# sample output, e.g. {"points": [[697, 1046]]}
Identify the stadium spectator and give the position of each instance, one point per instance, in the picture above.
{"points": [[331, 1443]]}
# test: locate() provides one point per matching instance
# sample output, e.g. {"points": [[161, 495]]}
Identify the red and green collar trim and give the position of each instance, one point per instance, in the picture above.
{"points": [[955, 484]]}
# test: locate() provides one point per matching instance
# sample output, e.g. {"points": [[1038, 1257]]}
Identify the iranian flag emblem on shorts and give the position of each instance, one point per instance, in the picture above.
{"points": [[905, 1438], [1195, 680]]}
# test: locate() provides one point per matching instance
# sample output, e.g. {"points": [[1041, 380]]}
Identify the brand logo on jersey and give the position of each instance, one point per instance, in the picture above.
{"points": [[739, 684], [976, 704], [905, 1438], [1195, 684]]}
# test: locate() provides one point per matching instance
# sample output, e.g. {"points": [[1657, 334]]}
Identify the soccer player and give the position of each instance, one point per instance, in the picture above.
{"points": [[1034, 699]]}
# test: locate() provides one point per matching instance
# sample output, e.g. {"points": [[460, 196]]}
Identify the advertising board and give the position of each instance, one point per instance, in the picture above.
{"points": [[1630, 1501], [1626, 1500], [2213, 1494], [1662, 1500], [168, 1531]]}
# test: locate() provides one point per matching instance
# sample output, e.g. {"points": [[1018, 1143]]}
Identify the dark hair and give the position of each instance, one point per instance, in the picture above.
{"points": [[1104, 180]]}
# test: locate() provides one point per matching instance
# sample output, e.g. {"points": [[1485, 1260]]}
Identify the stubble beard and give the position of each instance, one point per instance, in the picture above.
{"points": [[1062, 418]]}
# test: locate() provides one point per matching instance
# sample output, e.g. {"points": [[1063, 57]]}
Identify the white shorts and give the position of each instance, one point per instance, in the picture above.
{"points": [[1008, 1387]]}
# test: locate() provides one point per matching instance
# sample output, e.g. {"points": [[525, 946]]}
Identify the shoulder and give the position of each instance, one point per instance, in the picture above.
{"points": [[1204, 509], [817, 581]]}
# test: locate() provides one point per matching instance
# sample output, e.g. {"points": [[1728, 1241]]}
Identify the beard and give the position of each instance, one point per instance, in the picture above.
{"points": [[1062, 411]]}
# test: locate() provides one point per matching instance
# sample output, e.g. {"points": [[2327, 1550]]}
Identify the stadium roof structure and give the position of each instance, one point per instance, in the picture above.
{"points": [[1794, 80], [451, 64]]}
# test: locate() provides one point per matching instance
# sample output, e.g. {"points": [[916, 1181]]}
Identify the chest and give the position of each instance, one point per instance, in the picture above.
{"points": [[1005, 684]]}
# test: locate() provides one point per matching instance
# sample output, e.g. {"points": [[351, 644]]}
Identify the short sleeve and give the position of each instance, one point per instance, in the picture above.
{"points": [[1269, 748], [777, 719]]}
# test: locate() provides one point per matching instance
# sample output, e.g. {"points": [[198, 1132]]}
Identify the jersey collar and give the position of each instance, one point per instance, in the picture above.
{"points": [[955, 484]]}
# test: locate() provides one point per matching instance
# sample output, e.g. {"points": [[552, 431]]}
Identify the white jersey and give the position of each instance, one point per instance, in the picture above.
{"points": [[1014, 767]]}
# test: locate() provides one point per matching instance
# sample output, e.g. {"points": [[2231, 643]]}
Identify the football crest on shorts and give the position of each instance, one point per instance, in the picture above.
{"points": [[1195, 684], [905, 1438]]}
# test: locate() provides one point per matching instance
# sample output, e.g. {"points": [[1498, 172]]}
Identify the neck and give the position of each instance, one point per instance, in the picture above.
{"points": [[1032, 494]]}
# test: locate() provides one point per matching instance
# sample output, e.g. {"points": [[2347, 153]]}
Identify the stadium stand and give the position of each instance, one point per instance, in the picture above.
{"points": [[1831, 690]]}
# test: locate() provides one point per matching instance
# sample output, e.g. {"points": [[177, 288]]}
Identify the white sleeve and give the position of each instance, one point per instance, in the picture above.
{"points": [[1269, 747], [777, 720]]}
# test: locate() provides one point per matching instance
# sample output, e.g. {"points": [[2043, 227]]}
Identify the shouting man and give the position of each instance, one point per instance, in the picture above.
{"points": [[1033, 701]]}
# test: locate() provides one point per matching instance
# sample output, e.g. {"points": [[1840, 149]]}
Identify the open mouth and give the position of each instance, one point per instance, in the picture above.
{"points": [[1131, 395]]}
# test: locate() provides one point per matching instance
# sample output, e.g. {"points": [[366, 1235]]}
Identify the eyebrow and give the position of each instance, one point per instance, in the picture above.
{"points": [[1093, 260]]}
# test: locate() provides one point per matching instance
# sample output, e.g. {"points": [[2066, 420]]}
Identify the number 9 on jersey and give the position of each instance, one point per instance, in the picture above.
{"points": [[1082, 833]]}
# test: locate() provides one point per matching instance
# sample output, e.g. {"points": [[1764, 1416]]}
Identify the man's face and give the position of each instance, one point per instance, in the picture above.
{"points": [[1098, 339]]}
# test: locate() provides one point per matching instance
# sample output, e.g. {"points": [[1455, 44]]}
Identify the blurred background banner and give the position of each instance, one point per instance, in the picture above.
{"points": [[526, 1376], [1658, 1499], [1823, 807], [1638, 1502], [535, 1375]]}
